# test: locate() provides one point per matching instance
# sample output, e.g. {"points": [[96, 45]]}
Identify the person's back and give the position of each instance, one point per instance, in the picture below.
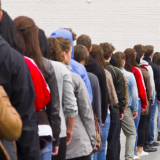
{"points": [[84, 123], [16, 80]]}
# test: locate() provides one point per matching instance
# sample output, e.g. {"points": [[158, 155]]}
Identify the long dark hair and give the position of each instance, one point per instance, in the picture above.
{"points": [[97, 54], [43, 43], [8, 31], [27, 33], [130, 55]]}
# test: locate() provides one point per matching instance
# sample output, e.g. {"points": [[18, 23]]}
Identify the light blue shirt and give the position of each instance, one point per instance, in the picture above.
{"points": [[132, 90]]}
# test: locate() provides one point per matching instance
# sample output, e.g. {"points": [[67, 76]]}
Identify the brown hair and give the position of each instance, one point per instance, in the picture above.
{"points": [[27, 39], [140, 47], [85, 41], [57, 46], [130, 55], [97, 54], [73, 33], [107, 48], [149, 49], [119, 56], [156, 58], [81, 53]]}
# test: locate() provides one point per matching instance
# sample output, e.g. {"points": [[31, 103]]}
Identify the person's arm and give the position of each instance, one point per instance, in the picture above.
{"points": [[141, 89], [53, 108], [121, 91], [85, 109], [104, 94], [10, 121]]}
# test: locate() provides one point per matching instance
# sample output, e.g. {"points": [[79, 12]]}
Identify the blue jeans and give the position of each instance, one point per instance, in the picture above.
{"points": [[153, 113], [136, 121], [158, 120], [101, 155], [46, 153]]}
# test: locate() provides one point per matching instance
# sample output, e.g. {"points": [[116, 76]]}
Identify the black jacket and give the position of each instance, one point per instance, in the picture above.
{"points": [[16, 80], [119, 85], [156, 72], [97, 70]]}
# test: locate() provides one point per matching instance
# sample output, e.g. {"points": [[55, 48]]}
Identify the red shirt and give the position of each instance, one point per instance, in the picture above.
{"points": [[141, 87], [40, 86]]}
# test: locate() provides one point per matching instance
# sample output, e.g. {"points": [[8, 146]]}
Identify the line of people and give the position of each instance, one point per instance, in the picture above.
{"points": [[69, 102]]}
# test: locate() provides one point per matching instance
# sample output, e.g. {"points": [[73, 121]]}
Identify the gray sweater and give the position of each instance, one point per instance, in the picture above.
{"points": [[84, 136], [68, 104], [96, 103]]}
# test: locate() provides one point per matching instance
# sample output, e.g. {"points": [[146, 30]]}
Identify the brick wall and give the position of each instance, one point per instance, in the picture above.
{"points": [[121, 22]]}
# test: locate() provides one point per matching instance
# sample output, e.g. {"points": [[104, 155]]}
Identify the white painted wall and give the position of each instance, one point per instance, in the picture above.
{"points": [[121, 22]]}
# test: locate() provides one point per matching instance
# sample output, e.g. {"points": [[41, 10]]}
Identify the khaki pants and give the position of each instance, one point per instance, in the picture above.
{"points": [[129, 130]]}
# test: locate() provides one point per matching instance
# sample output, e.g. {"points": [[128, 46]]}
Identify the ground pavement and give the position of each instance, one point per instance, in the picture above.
{"points": [[151, 156]]}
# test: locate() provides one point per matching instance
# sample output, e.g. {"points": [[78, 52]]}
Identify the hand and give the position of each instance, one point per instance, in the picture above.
{"points": [[121, 116], [102, 124], [135, 114], [158, 101], [69, 137], [55, 150]]}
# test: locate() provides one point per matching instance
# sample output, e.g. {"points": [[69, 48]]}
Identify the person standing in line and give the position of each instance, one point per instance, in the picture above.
{"points": [[17, 82], [156, 60], [146, 69], [117, 111], [127, 122], [93, 67], [84, 129], [149, 50], [132, 66], [81, 55], [75, 66], [48, 118], [97, 54]]}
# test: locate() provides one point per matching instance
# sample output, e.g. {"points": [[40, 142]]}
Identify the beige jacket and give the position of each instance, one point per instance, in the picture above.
{"points": [[10, 121], [112, 95]]}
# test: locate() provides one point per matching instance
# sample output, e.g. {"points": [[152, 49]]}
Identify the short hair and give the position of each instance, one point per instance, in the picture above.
{"points": [[156, 58], [119, 56], [85, 41], [140, 47], [149, 50], [81, 53], [107, 48]]}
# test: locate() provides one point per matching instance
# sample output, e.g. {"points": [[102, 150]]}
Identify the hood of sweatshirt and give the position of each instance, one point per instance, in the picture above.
{"points": [[65, 34], [143, 62]]}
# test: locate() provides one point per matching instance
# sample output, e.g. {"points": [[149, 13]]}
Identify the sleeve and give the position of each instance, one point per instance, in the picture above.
{"points": [[134, 93], [104, 94], [53, 108], [85, 111], [69, 100], [141, 89], [40, 86], [97, 97], [22, 97], [148, 87], [9, 119], [80, 70], [121, 92]]}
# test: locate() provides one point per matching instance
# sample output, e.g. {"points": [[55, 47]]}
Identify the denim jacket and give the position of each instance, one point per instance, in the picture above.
{"points": [[132, 90]]}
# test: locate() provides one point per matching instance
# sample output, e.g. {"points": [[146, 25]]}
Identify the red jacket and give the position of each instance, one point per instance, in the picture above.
{"points": [[40, 86], [141, 86]]}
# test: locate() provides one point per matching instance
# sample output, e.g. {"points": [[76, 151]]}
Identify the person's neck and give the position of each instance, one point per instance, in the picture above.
{"points": [[107, 60], [82, 63]]}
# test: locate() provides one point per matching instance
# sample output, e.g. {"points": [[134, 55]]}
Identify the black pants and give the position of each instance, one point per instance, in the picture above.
{"points": [[62, 150], [147, 135], [142, 130], [82, 158], [114, 137]]}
